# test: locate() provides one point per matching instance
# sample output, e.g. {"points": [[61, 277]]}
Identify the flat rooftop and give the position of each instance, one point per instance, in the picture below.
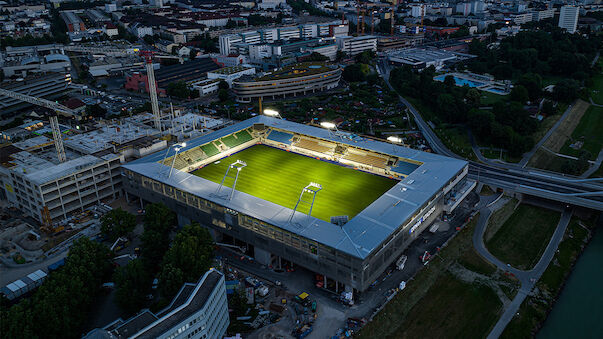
{"points": [[298, 70], [359, 236], [230, 70]]}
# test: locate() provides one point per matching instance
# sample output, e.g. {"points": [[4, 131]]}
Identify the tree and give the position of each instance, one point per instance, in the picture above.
{"points": [[223, 85], [473, 97], [158, 222], [566, 90], [366, 57], [133, 283], [188, 259], [117, 223], [355, 72], [223, 95], [519, 94], [60, 307], [238, 303], [178, 89], [315, 56], [96, 111], [533, 83], [340, 55]]}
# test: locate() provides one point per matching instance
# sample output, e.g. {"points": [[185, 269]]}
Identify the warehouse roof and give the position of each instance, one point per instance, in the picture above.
{"points": [[359, 236]]}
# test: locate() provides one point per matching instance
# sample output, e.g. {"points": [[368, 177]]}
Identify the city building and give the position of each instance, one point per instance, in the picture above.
{"points": [[230, 74], [356, 45], [49, 85], [37, 183], [73, 21], [198, 311], [188, 72], [568, 18], [352, 252], [388, 43], [21, 61], [140, 30], [207, 86], [420, 58], [297, 79]]}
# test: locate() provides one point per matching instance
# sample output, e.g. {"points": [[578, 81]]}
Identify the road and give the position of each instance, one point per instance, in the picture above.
{"points": [[527, 278], [567, 189]]}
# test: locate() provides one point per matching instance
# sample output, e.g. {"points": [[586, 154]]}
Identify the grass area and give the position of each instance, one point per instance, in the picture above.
{"points": [[437, 304], [279, 176], [457, 140], [551, 162], [474, 262], [453, 309], [588, 131], [499, 217], [596, 92], [533, 311], [489, 99], [523, 237]]}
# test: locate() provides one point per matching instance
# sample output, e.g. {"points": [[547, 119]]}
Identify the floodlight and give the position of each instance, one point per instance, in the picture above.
{"points": [[271, 113], [395, 139], [183, 144], [328, 125]]}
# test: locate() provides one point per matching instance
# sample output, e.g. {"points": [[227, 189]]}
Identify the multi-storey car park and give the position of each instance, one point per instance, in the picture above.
{"points": [[338, 204], [298, 79]]}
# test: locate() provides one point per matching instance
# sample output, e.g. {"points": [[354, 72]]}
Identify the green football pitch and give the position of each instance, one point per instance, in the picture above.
{"points": [[279, 176]]}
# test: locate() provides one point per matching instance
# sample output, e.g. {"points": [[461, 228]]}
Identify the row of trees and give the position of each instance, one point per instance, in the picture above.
{"points": [[61, 306], [188, 257], [507, 125], [544, 52]]}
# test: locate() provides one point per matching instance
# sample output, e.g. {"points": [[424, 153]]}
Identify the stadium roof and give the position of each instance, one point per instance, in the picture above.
{"points": [[359, 236]]}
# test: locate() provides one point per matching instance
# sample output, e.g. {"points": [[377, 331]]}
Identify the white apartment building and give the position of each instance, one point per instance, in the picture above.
{"points": [[416, 11], [207, 86], [568, 18], [544, 14], [140, 31], [198, 311], [356, 45]]}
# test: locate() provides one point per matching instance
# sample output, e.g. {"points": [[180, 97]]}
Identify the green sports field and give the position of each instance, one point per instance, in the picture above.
{"points": [[279, 176]]}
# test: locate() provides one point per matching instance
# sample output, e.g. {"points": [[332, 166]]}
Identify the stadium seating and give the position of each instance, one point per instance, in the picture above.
{"points": [[282, 137], [210, 149], [236, 139], [312, 145], [404, 168], [366, 159], [196, 154]]}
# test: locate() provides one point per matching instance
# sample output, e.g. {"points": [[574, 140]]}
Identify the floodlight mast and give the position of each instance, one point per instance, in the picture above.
{"points": [[272, 113], [332, 128], [177, 147], [238, 165], [395, 140], [311, 188]]}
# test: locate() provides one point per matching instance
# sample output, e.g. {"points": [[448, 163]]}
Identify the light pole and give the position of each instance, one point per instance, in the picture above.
{"points": [[395, 140], [177, 147], [272, 113]]}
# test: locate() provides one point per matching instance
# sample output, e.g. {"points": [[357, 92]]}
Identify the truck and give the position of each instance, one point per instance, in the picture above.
{"points": [[262, 290], [401, 262]]}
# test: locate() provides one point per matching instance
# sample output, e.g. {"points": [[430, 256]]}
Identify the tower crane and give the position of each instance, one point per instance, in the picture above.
{"points": [[148, 57], [54, 123]]}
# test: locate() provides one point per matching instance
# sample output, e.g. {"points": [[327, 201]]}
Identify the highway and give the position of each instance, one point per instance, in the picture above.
{"points": [[569, 190]]}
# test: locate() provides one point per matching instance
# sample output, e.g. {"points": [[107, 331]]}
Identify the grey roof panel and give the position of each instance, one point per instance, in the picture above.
{"points": [[359, 236]]}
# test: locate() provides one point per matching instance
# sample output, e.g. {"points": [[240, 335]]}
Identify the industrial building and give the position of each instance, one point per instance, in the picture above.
{"points": [[420, 58], [198, 311], [350, 254], [42, 85], [188, 72], [298, 79], [35, 180]]}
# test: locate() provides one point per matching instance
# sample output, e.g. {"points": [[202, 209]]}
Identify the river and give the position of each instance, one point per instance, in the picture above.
{"points": [[578, 312]]}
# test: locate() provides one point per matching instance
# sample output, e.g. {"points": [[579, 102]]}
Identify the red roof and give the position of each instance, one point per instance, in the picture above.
{"points": [[73, 103]]}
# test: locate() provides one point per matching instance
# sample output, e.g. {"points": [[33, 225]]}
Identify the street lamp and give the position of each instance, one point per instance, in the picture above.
{"points": [[272, 113]]}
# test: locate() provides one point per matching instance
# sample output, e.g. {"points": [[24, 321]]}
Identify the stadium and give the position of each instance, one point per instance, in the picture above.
{"points": [[340, 205]]}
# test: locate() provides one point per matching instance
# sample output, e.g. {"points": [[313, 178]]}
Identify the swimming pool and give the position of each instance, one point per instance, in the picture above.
{"points": [[460, 81]]}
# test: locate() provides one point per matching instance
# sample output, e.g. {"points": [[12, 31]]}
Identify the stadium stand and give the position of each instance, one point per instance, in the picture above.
{"points": [[196, 154], [282, 137], [366, 159], [210, 149], [236, 139], [404, 168], [312, 145]]}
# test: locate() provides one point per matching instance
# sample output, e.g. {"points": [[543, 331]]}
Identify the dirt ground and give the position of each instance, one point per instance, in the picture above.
{"points": [[562, 133]]}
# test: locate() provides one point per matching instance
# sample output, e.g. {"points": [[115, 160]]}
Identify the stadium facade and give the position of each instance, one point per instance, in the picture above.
{"points": [[298, 79], [352, 253]]}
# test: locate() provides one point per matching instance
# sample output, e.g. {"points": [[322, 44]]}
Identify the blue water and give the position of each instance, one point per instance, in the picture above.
{"points": [[578, 312], [496, 90], [460, 82]]}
